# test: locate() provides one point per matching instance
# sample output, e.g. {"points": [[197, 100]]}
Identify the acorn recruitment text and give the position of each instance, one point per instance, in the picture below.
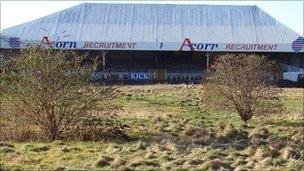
{"points": [[109, 45], [232, 46]]}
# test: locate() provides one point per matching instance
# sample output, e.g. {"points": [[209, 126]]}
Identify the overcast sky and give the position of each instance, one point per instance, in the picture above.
{"points": [[13, 13]]}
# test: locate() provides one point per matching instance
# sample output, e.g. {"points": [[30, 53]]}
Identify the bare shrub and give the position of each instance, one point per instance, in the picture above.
{"points": [[244, 83], [51, 91]]}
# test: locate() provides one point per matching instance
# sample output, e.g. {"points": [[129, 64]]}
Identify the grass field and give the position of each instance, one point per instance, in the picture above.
{"points": [[171, 130]]}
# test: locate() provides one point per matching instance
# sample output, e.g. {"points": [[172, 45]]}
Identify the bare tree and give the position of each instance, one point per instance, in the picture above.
{"points": [[52, 90], [245, 83]]}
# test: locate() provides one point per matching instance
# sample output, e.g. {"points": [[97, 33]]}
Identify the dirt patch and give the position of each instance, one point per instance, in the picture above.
{"points": [[216, 164], [225, 131], [38, 148], [103, 161], [3, 144], [289, 152]]}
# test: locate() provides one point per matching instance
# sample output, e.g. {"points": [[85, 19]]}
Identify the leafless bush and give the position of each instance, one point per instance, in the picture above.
{"points": [[245, 83], [50, 90]]}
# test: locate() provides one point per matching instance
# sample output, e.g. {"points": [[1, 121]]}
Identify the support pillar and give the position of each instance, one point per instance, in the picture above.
{"points": [[156, 62], [104, 62], [104, 53]]}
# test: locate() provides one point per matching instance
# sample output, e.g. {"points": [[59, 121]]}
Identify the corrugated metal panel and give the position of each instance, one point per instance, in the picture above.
{"points": [[157, 23]]}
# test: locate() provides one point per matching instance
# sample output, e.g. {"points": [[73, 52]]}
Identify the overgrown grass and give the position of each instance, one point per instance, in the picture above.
{"points": [[171, 130]]}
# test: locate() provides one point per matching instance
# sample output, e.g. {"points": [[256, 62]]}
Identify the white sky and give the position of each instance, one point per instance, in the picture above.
{"points": [[13, 13]]}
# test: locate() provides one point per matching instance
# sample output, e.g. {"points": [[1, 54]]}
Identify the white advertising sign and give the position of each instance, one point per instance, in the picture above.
{"points": [[186, 45]]}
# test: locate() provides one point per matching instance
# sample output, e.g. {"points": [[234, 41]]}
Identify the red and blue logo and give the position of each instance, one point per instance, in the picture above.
{"points": [[298, 44]]}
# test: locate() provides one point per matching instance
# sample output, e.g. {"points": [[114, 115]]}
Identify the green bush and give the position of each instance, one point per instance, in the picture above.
{"points": [[51, 93]]}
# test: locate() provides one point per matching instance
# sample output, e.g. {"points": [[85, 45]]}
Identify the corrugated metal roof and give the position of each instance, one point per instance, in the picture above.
{"points": [[158, 23]]}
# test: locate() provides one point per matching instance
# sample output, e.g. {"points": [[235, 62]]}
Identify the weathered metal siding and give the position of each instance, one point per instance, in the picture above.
{"points": [[157, 23]]}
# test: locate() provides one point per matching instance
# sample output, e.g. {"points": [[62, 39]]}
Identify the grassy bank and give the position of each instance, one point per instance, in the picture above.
{"points": [[170, 129]]}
